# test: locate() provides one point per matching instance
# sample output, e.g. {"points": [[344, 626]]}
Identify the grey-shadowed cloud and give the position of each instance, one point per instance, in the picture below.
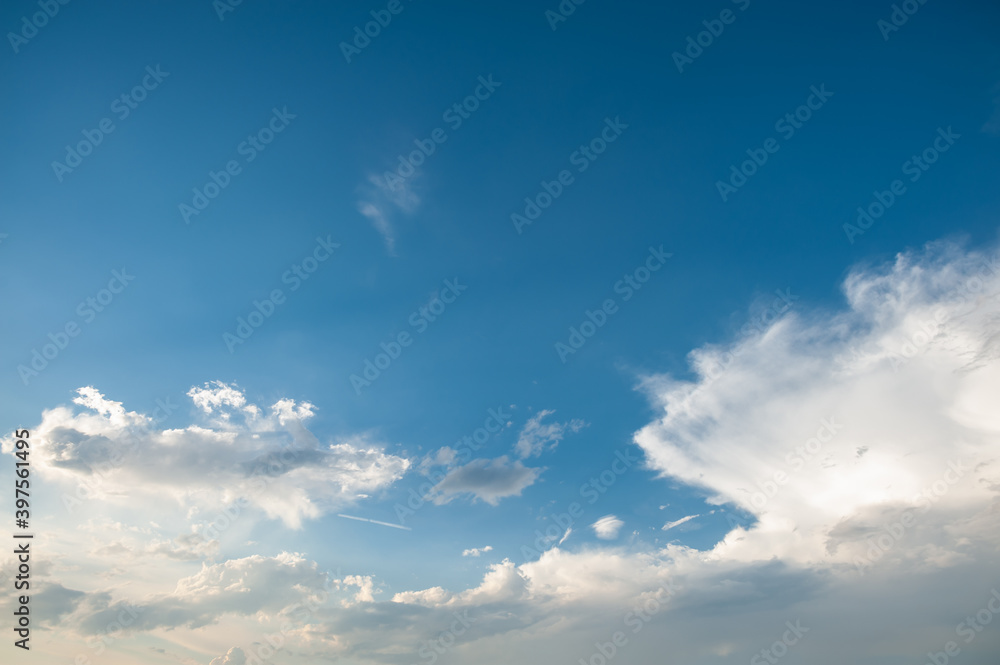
{"points": [[489, 480], [265, 457]]}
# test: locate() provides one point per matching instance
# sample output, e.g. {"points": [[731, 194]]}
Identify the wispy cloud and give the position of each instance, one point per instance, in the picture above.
{"points": [[365, 519], [536, 437], [378, 202], [671, 525]]}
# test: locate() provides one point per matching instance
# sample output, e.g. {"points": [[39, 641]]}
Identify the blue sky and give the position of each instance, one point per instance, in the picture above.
{"points": [[312, 200]]}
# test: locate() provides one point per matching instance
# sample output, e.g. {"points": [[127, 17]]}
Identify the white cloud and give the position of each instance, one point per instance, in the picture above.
{"points": [[867, 413], [237, 587], [185, 547], [215, 395], [906, 379], [607, 527], [476, 551], [114, 412], [830, 426], [366, 589], [268, 460], [536, 437], [671, 525], [234, 656]]}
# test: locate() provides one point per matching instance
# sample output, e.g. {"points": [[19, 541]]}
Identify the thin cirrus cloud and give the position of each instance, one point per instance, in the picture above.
{"points": [[379, 202], [671, 525], [536, 437]]}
